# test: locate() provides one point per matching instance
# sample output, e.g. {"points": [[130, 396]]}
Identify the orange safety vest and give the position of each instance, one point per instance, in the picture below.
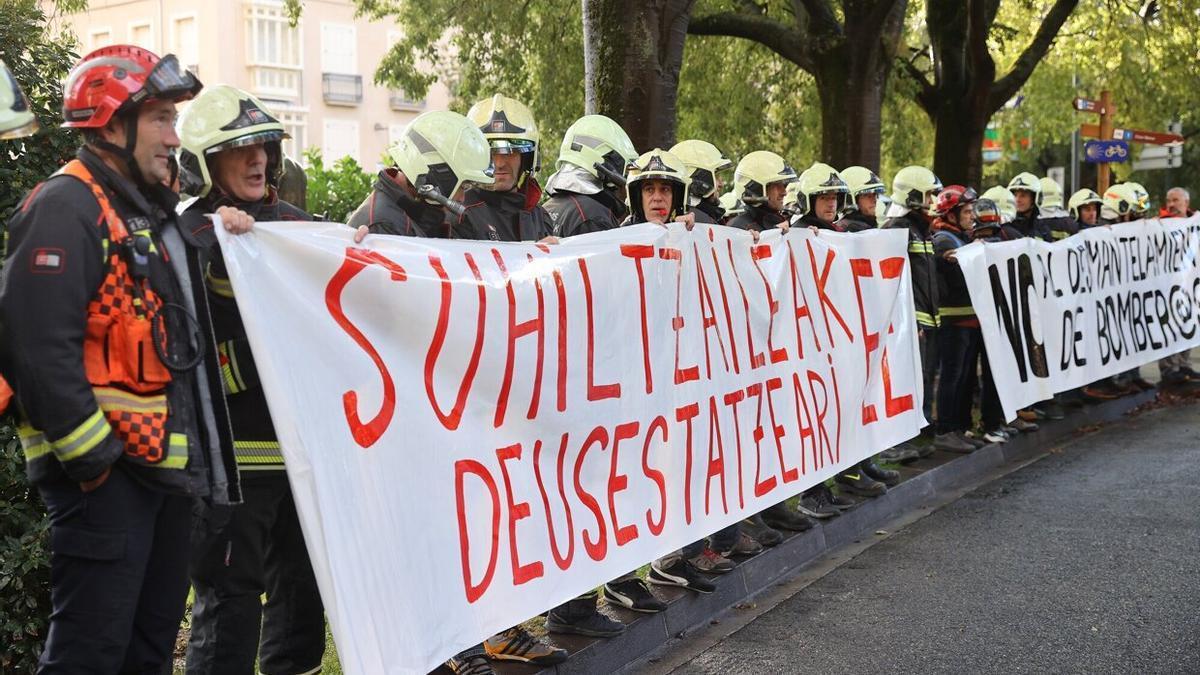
{"points": [[120, 361]]}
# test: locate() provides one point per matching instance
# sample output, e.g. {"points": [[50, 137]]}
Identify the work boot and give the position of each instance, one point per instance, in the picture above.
{"points": [[1029, 414], [1024, 427], [580, 617], [970, 437], [1051, 410], [761, 532], [886, 476], [859, 483], [1142, 383], [470, 662], [632, 594], [516, 644], [952, 442], [905, 452], [1104, 390], [782, 517], [679, 573]]}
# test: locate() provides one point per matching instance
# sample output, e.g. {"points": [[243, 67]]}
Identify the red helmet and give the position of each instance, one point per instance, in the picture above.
{"points": [[953, 196], [120, 76]]}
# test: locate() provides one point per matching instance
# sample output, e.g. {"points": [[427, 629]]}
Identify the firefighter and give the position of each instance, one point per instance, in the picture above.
{"points": [[914, 193], [587, 192], [866, 188], [704, 164], [731, 206], [1005, 203], [16, 119], [1050, 205], [760, 182], [115, 375], [507, 209], [231, 155], [1084, 207], [1026, 189], [821, 196]]}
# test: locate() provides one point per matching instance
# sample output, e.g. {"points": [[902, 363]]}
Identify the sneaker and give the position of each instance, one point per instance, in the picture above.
{"points": [[888, 477], [474, 663], [952, 442], [781, 517], [813, 506], [580, 617], [761, 532], [838, 500], [970, 437], [859, 483], [1010, 431], [632, 594], [516, 644], [995, 436], [679, 573], [900, 454], [744, 545], [712, 562], [1024, 427], [1051, 410]]}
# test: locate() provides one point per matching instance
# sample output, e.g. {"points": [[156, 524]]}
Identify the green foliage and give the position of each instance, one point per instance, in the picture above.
{"points": [[40, 60], [336, 191]]}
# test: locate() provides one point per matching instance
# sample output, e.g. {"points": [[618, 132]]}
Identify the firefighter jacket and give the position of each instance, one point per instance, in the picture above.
{"points": [[855, 220], [1028, 224], [921, 262], [811, 220], [254, 441], [758, 218], [504, 216], [954, 300], [573, 213], [707, 211], [96, 285], [390, 210]]}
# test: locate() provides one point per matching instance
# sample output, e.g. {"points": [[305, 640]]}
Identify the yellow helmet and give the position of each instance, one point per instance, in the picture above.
{"points": [[861, 181], [756, 171], [821, 179], [702, 160], [1142, 205], [16, 119], [439, 151], [1084, 196], [599, 146], [1005, 202], [794, 203], [658, 164], [509, 128], [220, 118], [1119, 200], [1051, 194], [1026, 181], [730, 204], [912, 187]]}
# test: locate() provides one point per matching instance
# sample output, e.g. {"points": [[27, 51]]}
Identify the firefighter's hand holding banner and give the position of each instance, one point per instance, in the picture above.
{"points": [[476, 432], [1060, 315]]}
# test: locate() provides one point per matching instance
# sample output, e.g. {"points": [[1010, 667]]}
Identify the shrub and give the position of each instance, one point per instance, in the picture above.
{"points": [[336, 191]]}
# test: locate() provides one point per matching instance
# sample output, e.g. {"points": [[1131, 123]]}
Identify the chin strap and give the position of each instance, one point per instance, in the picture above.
{"points": [[125, 153]]}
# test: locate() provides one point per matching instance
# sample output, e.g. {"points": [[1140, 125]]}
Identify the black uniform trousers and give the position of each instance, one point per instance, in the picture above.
{"points": [[118, 576], [260, 549]]}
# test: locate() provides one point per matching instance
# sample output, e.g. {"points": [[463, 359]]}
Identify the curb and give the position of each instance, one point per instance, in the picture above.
{"points": [[924, 482]]}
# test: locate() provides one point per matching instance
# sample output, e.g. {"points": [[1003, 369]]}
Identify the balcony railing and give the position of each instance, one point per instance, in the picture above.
{"points": [[282, 83], [400, 101], [339, 89]]}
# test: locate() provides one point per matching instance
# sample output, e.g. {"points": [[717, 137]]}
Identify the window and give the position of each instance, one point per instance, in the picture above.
{"points": [[338, 49], [273, 51], [100, 37], [395, 131], [295, 123], [185, 41], [340, 140], [142, 35]]}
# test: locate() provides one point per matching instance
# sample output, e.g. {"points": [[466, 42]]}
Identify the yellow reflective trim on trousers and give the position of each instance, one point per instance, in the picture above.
{"points": [[956, 311], [257, 452], [33, 442], [927, 319], [177, 453], [221, 287], [230, 372], [117, 399], [86, 436]]}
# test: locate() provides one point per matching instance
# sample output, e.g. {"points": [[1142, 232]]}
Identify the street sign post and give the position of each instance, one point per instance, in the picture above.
{"points": [[1088, 105], [1105, 132]]}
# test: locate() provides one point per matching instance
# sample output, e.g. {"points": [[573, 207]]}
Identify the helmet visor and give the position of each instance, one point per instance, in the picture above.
{"points": [[170, 81], [512, 146], [248, 139]]}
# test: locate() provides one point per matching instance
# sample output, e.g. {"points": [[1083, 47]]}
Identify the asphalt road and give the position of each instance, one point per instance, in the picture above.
{"points": [[1085, 562]]}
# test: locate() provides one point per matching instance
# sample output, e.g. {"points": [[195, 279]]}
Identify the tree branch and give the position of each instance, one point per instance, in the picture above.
{"points": [[1007, 86], [927, 97], [823, 18], [784, 41]]}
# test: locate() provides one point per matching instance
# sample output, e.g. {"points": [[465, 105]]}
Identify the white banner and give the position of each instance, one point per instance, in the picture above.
{"points": [[1059, 316], [476, 432]]}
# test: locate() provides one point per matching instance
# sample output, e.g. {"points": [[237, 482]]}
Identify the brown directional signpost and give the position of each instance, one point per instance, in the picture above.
{"points": [[1106, 132]]}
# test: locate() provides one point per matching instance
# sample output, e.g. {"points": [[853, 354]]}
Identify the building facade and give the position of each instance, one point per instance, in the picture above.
{"points": [[317, 76]]}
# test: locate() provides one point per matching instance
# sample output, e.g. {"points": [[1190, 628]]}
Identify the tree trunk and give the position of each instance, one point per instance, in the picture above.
{"points": [[633, 52], [958, 142], [851, 85]]}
